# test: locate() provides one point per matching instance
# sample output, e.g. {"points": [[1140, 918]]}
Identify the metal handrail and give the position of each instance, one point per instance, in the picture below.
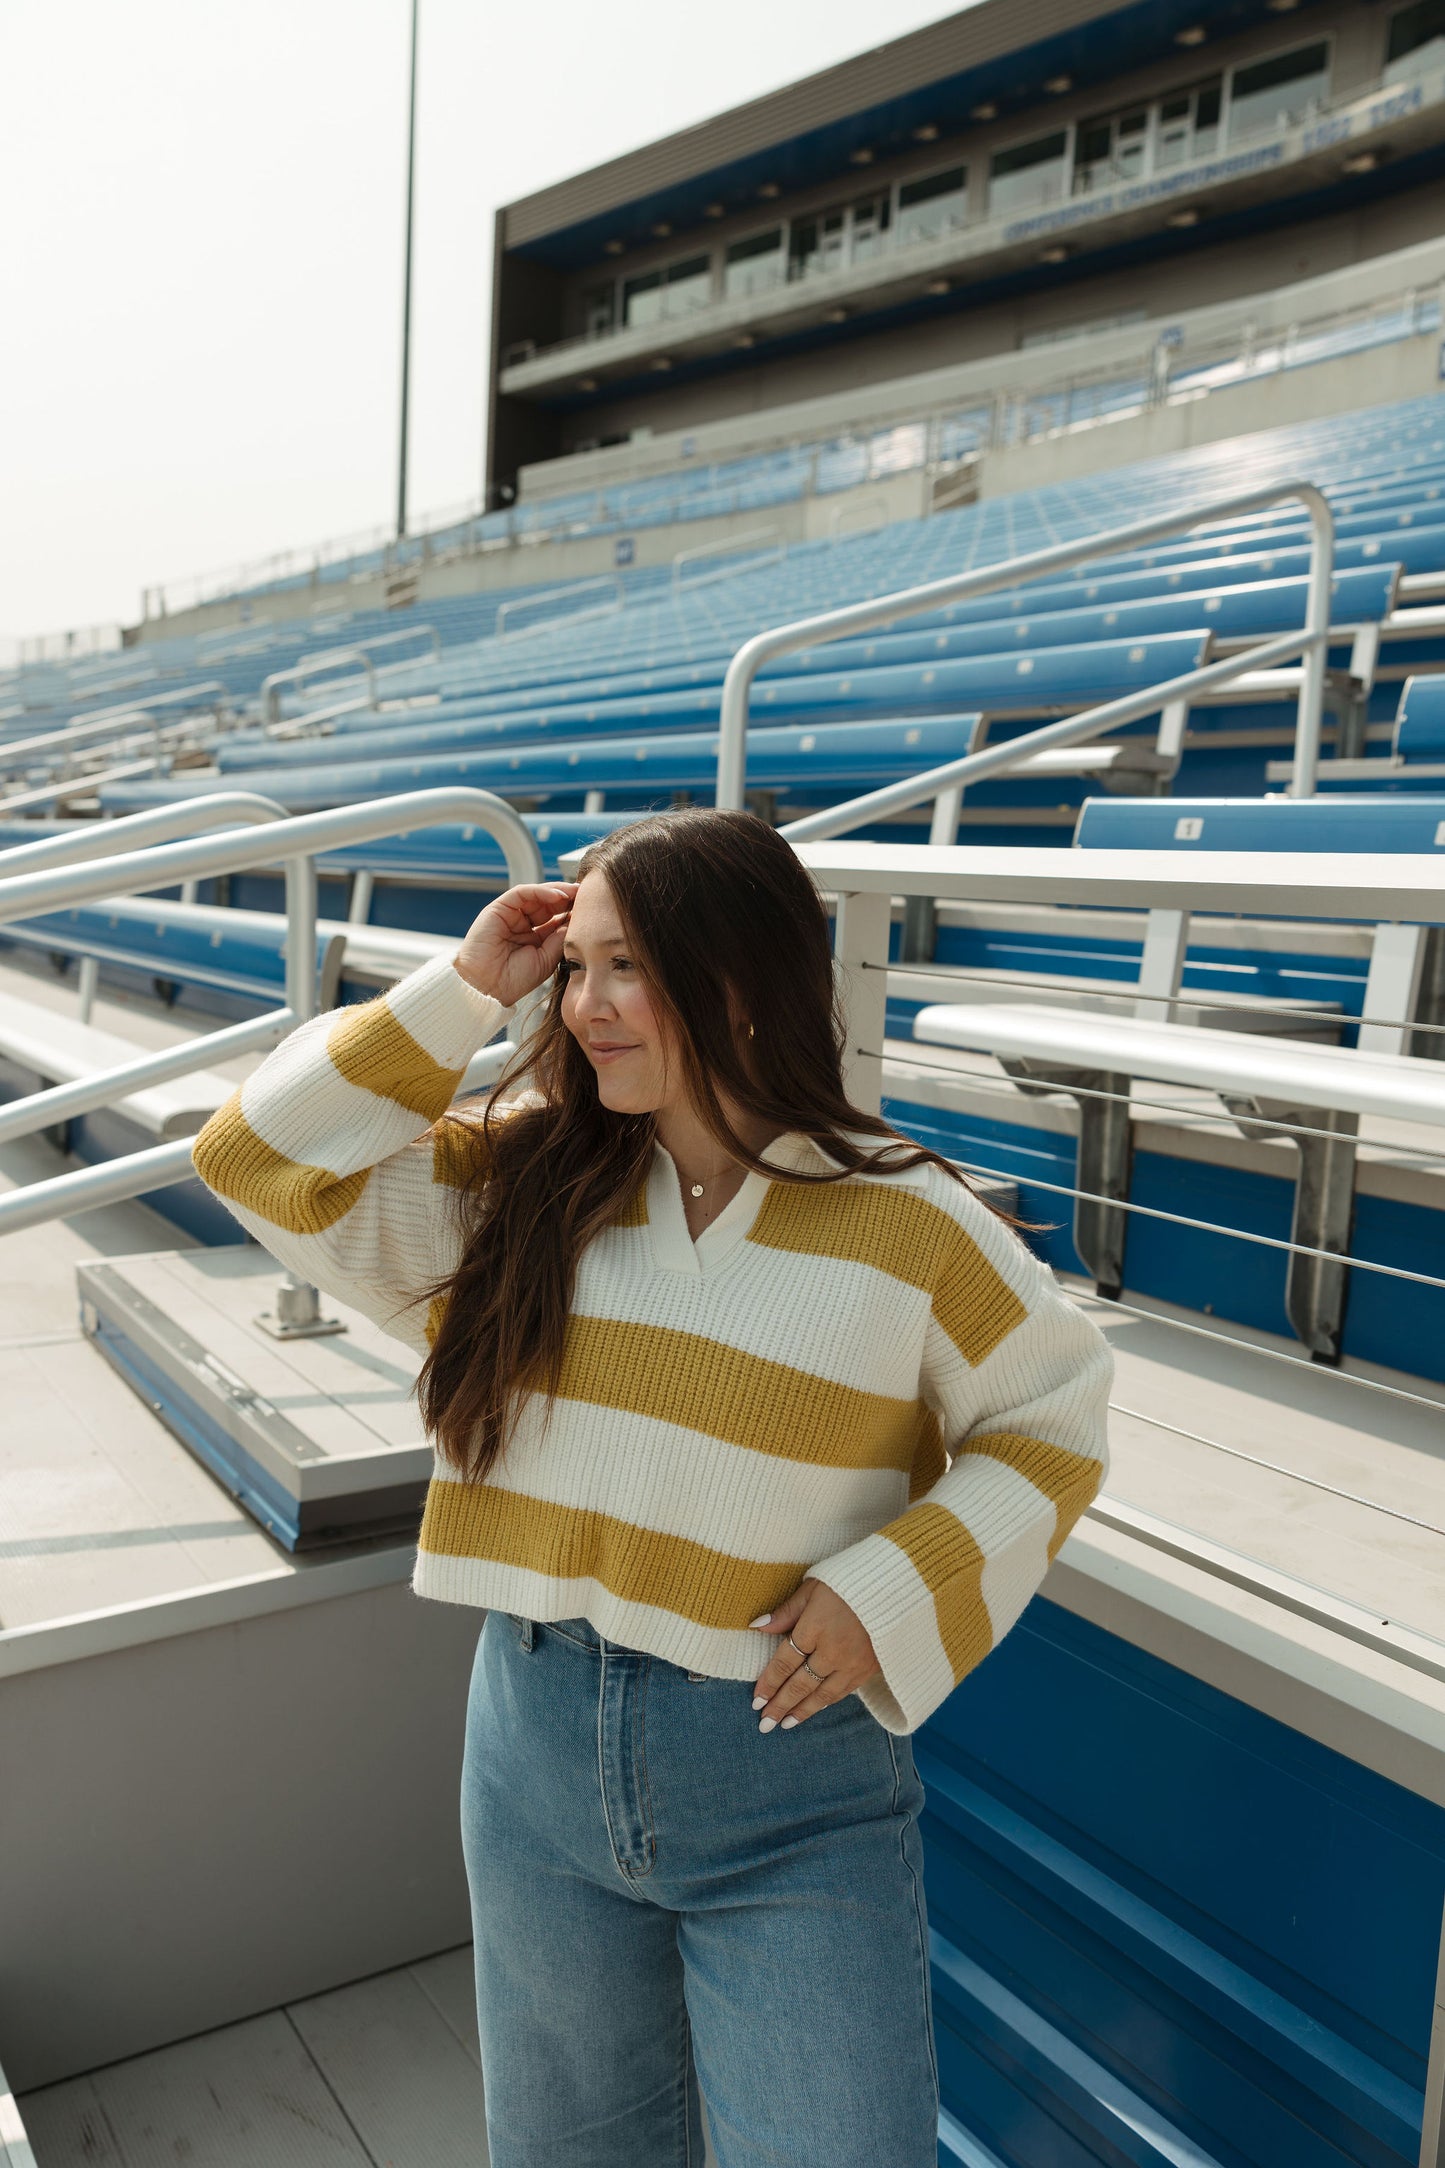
{"points": [[158, 824], [1010, 572], [108, 723], [733, 547], [47, 885], [324, 659], [611, 580], [395, 639]]}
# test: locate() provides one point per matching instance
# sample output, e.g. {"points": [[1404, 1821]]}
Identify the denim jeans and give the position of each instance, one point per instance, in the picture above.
{"points": [[664, 1896]]}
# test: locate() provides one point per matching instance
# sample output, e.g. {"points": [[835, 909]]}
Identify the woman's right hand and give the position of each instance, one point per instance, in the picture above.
{"points": [[516, 942]]}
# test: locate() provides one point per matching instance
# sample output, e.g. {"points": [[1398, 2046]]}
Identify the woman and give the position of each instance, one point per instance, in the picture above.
{"points": [[751, 1421]]}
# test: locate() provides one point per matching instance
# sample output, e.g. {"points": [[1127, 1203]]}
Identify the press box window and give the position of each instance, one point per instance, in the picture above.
{"points": [[754, 265], [1028, 173], [933, 205], [1279, 89], [655, 295], [1416, 42]]}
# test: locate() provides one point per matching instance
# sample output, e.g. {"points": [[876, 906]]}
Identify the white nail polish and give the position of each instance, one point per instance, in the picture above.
{"points": [[761, 1620], [758, 1700], [789, 1722], [767, 1723]]}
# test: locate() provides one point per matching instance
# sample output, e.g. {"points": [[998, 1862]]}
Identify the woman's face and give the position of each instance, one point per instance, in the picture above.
{"points": [[606, 1007]]}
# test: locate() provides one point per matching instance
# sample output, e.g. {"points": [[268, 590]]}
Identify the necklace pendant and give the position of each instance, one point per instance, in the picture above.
{"points": [[697, 1189]]}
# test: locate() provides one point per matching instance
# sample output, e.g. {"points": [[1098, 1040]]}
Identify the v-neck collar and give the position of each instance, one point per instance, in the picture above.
{"points": [[673, 1247]]}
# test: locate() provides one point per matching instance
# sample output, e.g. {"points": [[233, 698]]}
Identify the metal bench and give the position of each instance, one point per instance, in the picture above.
{"points": [[58, 1049], [1405, 987], [1313, 1096], [1416, 760]]}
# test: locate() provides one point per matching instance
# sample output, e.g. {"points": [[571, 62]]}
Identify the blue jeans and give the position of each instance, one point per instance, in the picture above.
{"points": [[663, 1895]]}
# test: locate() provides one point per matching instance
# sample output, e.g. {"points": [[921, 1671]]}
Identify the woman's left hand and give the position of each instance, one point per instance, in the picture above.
{"points": [[835, 1642]]}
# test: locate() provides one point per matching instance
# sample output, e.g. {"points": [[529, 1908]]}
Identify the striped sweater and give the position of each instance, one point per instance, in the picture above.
{"points": [[870, 1381]]}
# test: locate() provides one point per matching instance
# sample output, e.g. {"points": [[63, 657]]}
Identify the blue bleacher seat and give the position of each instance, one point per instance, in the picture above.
{"points": [[1420, 723], [1363, 822]]}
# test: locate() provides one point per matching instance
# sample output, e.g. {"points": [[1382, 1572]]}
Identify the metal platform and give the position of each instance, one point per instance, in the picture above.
{"points": [[318, 1438]]}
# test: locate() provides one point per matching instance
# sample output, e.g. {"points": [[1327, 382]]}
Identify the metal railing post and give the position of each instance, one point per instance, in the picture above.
{"points": [[1309, 714]]}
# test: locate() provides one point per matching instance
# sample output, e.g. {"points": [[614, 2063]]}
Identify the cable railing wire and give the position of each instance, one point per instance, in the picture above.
{"points": [[1215, 1227], [1200, 1117], [1274, 1467]]}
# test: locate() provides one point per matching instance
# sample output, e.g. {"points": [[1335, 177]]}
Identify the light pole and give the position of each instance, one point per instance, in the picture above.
{"points": [[406, 286]]}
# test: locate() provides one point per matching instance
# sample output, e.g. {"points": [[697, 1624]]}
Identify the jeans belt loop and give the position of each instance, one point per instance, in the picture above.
{"points": [[524, 1628]]}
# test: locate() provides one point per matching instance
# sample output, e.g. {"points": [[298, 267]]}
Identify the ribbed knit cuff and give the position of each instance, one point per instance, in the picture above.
{"points": [[882, 1585]]}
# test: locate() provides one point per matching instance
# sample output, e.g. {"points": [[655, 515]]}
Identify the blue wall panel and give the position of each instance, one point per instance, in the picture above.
{"points": [[1169, 1928]]}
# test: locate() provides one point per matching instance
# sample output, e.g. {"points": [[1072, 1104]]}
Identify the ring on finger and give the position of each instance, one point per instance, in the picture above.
{"points": [[812, 1674]]}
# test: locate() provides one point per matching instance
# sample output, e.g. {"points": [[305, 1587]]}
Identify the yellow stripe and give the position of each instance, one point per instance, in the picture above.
{"points": [[946, 1557], [641, 1565], [237, 1164], [634, 1210], [1069, 1480], [372, 1049], [680, 1377], [900, 1233], [458, 1150], [929, 1460]]}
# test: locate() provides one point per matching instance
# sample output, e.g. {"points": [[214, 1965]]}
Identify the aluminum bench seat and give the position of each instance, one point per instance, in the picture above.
{"points": [[62, 1050]]}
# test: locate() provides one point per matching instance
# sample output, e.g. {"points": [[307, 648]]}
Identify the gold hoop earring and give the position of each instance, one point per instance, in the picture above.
{"points": [[750, 1031]]}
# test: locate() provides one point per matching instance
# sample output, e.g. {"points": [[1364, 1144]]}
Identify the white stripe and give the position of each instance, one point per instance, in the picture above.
{"points": [[720, 1652], [996, 1504], [678, 1482], [842, 1332], [335, 1125], [1010, 1580]]}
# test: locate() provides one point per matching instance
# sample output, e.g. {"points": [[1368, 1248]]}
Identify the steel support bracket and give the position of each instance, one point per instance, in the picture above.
{"points": [[1105, 1161], [1316, 1286]]}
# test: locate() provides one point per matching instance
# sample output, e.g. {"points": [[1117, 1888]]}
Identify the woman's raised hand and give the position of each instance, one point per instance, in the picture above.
{"points": [[516, 942]]}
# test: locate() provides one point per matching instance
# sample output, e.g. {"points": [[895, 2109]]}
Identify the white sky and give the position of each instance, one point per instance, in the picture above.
{"points": [[201, 241]]}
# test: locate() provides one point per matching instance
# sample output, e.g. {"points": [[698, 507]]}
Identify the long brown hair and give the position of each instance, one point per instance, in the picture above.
{"points": [[725, 928]]}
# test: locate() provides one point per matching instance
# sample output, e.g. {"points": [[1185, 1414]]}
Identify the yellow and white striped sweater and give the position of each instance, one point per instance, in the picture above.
{"points": [[871, 1381]]}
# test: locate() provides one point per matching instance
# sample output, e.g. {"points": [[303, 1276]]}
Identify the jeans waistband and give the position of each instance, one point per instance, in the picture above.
{"points": [[585, 1635]]}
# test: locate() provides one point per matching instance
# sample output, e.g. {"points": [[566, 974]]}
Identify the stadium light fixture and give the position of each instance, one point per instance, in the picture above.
{"points": [[1281, 7], [861, 157], [769, 189], [928, 133], [586, 383], [1188, 216], [1361, 162], [662, 362], [662, 229], [936, 286], [406, 285], [714, 210], [745, 339], [987, 111], [1191, 34], [835, 316], [1056, 85], [1056, 252]]}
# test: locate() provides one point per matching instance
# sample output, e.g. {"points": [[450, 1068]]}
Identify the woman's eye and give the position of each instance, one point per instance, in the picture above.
{"points": [[620, 963], [569, 965]]}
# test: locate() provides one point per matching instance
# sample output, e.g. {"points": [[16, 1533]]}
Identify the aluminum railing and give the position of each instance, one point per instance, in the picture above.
{"points": [[1310, 641], [331, 658], [67, 870], [616, 600]]}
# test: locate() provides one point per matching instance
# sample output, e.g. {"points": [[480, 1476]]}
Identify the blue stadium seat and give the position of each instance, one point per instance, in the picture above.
{"points": [[1364, 822]]}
